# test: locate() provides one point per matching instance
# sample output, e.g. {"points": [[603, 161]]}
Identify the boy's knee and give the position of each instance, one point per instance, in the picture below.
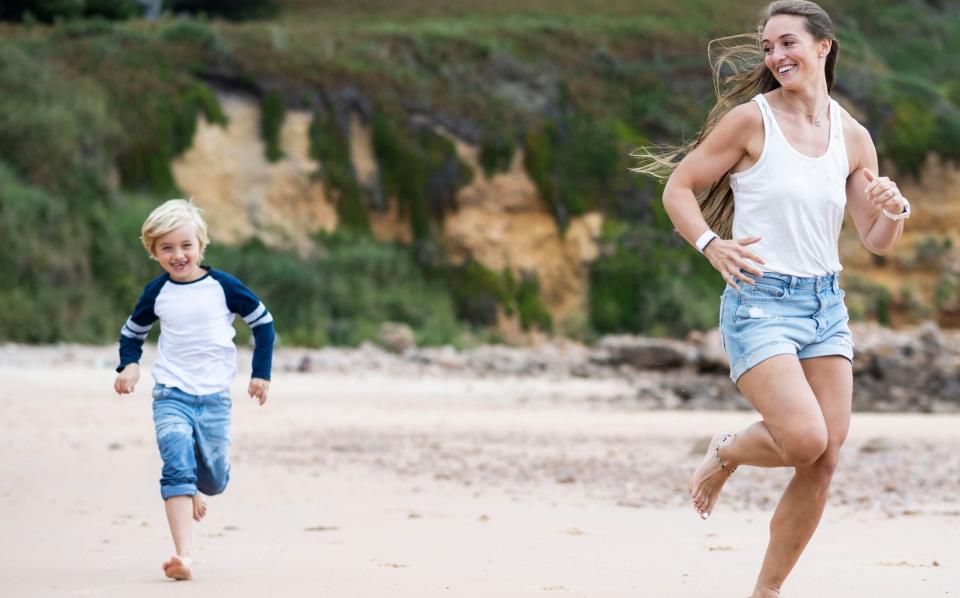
{"points": [[214, 483]]}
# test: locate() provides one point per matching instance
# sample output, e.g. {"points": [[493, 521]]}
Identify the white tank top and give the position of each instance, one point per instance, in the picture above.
{"points": [[793, 201]]}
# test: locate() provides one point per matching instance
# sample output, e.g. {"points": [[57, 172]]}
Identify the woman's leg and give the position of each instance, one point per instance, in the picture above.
{"points": [[792, 433], [798, 513]]}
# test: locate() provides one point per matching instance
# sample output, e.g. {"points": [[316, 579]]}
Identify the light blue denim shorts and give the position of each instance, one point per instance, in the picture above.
{"points": [[783, 315], [193, 434]]}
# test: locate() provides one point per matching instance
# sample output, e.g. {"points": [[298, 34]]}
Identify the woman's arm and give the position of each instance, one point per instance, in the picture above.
{"points": [[868, 194], [737, 137]]}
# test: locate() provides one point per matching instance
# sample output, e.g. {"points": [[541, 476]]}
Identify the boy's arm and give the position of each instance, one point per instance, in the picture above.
{"points": [[132, 334], [242, 301]]}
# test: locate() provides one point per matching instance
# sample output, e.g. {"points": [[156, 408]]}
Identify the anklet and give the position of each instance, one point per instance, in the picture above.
{"points": [[716, 452]]}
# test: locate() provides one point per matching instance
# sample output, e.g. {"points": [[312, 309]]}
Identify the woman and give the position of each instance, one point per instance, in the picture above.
{"points": [[788, 158]]}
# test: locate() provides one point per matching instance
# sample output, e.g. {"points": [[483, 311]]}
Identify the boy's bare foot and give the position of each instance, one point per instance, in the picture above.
{"points": [[199, 507], [766, 593], [708, 479], [178, 568]]}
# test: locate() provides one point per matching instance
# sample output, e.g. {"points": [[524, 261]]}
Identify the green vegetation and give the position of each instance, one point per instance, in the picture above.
{"points": [[94, 111], [419, 167], [353, 284], [272, 113], [330, 146], [647, 280], [49, 11]]}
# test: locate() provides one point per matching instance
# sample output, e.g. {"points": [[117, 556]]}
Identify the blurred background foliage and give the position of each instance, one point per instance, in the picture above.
{"points": [[96, 101]]}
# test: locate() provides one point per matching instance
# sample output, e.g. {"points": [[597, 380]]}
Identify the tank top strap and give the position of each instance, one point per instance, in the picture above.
{"points": [[838, 146], [769, 122], [836, 120]]}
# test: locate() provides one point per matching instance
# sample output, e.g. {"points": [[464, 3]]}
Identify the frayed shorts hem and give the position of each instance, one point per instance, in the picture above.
{"points": [[765, 352]]}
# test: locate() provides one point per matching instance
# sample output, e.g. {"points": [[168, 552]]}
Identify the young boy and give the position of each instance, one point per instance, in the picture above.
{"points": [[195, 366]]}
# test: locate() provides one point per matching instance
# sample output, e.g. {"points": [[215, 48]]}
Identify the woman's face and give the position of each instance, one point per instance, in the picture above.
{"points": [[791, 53]]}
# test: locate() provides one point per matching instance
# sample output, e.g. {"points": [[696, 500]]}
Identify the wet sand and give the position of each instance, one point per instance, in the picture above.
{"points": [[362, 484]]}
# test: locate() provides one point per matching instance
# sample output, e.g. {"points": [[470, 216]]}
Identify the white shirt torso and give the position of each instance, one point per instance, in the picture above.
{"points": [[794, 202]]}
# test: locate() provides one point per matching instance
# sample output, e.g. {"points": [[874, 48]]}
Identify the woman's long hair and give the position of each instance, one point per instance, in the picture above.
{"points": [[739, 73]]}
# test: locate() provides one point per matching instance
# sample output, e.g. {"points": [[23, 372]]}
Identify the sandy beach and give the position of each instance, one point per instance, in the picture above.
{"points": [[374, 484]]}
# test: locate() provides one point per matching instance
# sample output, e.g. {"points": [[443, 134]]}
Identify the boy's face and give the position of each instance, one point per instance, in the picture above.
{"points": [[179, 253]]}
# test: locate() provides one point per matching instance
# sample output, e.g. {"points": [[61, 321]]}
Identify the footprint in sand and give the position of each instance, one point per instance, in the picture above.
{"points": [[907, 564], [555, 589]]}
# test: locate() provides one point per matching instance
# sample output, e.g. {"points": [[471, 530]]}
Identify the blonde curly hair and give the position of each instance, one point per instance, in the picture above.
{"points": [[170, 216]]}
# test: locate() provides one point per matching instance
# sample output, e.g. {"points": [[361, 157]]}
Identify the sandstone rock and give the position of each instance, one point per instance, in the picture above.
{"points": [[396, 337], [646, 353], [710, 354]]}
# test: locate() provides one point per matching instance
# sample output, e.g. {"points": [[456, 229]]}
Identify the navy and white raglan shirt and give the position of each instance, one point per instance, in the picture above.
{"points": [[196, 350]]}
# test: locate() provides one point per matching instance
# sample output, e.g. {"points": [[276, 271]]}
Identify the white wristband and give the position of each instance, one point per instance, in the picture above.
{"points": [[904, 211], [705, 238]]}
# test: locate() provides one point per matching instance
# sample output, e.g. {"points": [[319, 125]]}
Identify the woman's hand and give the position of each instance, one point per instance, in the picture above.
{"points": [[730, 259], [882, 192]]}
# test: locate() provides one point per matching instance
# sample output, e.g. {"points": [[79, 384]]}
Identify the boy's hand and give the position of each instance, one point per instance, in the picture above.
{"points": [[127, 379], [258, 389]]}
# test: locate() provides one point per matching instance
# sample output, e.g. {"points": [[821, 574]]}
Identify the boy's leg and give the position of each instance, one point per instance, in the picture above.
{"points": [[173, 418], [213, 444], [180, 517]]}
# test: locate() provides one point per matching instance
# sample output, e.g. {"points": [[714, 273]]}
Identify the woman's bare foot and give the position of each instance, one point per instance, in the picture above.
{"points": [[199, 507], [708, 479], [178, 568]]}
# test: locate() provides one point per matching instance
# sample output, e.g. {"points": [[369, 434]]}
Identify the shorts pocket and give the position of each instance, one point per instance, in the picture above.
{"points": [[161, 392], [224, 398], [763, 292]]}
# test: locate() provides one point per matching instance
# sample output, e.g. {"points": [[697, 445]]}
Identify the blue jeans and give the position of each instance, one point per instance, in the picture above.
{"points": [[193, 434], [783, 314]]}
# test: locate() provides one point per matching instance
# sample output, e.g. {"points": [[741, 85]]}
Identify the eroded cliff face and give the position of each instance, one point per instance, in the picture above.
{"points": [[227, 174], [501, 221]]}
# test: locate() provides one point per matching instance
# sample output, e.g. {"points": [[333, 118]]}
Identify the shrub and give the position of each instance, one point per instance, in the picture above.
{"points": [[650, 282], [272, 113], [49, 11], [420, 168], [231, 9], [330, 146], [56, 131], [342, 293]]}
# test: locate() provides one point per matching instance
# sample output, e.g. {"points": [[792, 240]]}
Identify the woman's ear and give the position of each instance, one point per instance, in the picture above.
{"points": [[825, 46]]}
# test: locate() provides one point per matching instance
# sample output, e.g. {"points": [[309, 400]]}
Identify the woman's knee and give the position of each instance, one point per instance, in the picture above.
{"points": [[803, 445]]}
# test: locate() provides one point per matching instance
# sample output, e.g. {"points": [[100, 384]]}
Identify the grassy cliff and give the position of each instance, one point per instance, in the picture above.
{"points": [[93, 111]]}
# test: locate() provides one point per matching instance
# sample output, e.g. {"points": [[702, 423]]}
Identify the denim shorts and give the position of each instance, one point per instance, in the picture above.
{"points": [[193, 434], [783, 315]]}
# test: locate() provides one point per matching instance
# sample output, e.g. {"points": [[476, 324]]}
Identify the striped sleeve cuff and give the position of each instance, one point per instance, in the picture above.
{"points": [[258, 317], [133, 330]]}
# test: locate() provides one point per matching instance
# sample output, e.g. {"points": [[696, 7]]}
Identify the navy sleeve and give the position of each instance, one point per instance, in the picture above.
{"points": [[242, 301], [137, 326]]}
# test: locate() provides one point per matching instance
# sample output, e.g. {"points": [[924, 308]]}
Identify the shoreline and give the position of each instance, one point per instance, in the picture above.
{"points": [[364, 484]]}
